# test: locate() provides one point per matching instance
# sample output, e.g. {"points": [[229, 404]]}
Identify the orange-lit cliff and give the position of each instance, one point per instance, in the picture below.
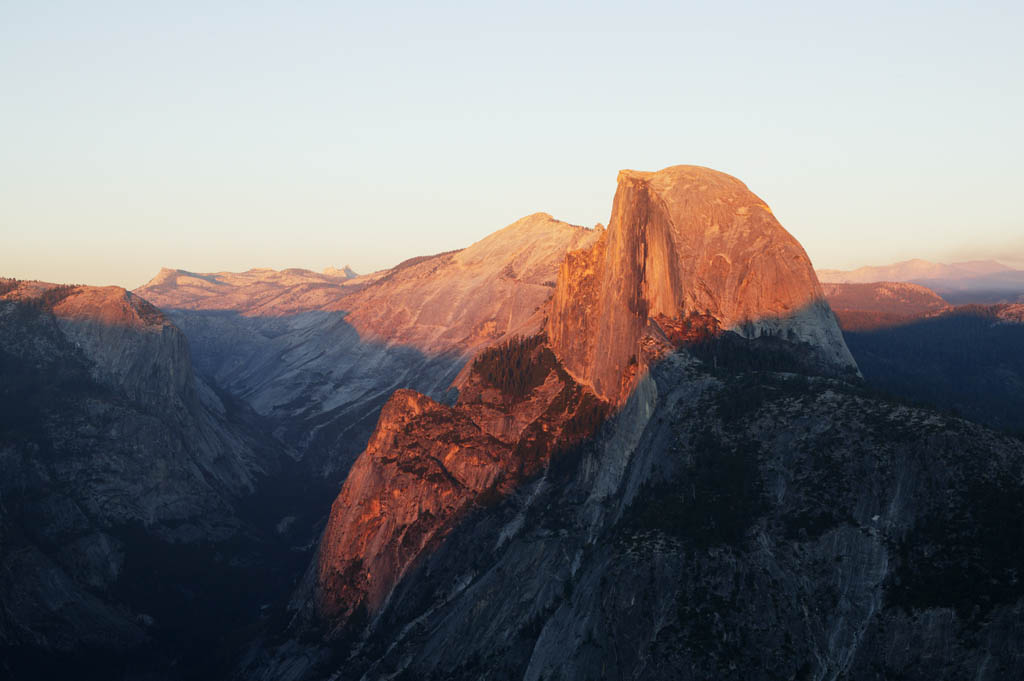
{"points": [[682, 241]]}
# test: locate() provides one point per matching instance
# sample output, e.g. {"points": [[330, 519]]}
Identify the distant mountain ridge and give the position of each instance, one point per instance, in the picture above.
{"points": [[260, 291], [346, 272], [912, 270], [885, 303], [977, 281]]}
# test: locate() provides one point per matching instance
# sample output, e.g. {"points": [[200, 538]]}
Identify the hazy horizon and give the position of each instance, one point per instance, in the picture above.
{"points": [[233, 137], [1009, 262]]}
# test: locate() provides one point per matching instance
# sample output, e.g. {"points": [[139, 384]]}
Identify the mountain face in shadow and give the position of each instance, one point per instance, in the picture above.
{"points": [[124, 480], [967, 359], [913, 345], [732, 518]]}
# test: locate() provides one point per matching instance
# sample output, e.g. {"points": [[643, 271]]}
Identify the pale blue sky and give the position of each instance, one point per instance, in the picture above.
{"points": [[223, 136]]}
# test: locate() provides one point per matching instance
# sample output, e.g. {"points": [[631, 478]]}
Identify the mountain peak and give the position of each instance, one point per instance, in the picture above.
{"points": [[345, 272], [684, 172], [684, 240]]}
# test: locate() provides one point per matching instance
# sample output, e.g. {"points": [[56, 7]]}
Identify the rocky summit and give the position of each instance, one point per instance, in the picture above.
{"points": [[684, 241]]}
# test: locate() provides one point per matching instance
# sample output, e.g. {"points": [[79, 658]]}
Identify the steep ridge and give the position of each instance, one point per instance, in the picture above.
{"points": [[427, 465], [111, 453], [321, 370], [685, 241]]}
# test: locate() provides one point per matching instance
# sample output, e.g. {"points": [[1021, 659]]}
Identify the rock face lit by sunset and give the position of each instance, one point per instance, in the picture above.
{"points": [[474, 343]]}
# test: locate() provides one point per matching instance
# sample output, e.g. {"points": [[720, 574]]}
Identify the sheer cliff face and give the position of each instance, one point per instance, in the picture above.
{"points": [[684, 240]]}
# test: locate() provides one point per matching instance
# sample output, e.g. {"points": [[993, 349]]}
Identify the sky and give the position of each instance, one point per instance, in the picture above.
{"points": [[224, 136]]}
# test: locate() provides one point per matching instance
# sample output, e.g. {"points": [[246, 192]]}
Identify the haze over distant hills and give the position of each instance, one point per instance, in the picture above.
{"points": [[975, 281], [910, 270]]}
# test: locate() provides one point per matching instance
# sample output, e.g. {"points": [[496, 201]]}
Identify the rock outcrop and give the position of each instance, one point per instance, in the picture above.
{"points": [[429, 465], [684, 241]]}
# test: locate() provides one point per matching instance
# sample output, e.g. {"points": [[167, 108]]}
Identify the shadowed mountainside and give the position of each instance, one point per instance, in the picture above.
{"points": [[967, 359], [732, 519], [122, 484], [910, 344]]}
